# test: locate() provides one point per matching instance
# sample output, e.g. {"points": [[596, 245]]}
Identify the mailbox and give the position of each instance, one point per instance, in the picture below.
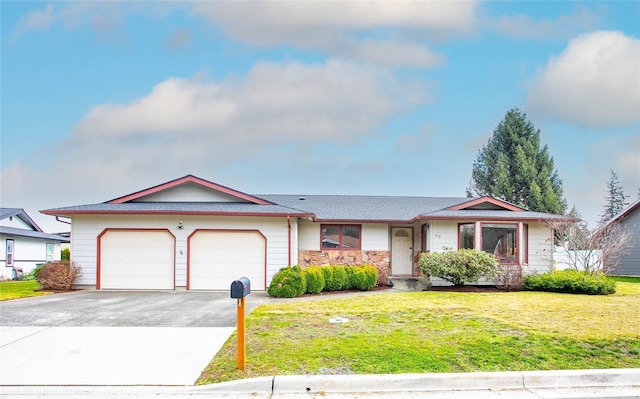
{"points": [[240, 288]]}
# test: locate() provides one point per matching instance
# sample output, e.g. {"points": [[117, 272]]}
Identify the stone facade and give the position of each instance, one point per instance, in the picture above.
{"points": [[379, 259]]}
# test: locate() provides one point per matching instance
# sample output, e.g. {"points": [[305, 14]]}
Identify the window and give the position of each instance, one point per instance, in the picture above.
{"points": [[336, 236], [498, 239], [466, 236], [49, 252], [9, 262]]}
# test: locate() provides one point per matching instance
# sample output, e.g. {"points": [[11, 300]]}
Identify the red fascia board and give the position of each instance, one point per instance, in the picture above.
{"points": [[360, 221], [513, 218], [189, 179], [494, 201], [201, 213]]}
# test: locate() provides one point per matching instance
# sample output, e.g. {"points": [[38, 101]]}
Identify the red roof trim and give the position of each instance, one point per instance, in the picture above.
{"points": [[203, 213], [491, 200], [513, 218], [189, 179]]}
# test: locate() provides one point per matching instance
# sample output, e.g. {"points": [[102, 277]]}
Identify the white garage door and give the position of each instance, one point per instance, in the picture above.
{"points": [[137, 260], [219, 257]]}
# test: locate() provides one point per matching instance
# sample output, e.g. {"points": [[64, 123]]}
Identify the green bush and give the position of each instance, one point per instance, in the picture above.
{"points": [[571, 281], [363, 277], [65, 254], [459, 267], [315, 279], [289, 282], [340, 277]]}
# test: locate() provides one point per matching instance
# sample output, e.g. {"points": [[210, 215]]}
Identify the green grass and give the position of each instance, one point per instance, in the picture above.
{"points": [[625, 279], [19, 289], [438, 332]]}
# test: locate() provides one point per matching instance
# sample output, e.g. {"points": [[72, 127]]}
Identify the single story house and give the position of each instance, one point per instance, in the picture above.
{"points": [[629, 263], [25, 244], [194, 234]]}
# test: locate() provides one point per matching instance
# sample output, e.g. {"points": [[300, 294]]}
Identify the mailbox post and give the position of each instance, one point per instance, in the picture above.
{"points": [[239, 290]]}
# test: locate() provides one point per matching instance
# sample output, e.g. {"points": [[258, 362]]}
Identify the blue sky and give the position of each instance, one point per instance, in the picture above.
{"points": [[100, 99]]}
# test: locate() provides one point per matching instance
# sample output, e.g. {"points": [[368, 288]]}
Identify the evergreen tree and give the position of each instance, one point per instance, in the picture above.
{"points": [[513, 167], [615, 199]]}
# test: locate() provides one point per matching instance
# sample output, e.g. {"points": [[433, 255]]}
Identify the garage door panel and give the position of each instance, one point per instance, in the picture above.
{"points": [[137, 260], [219, 257]]}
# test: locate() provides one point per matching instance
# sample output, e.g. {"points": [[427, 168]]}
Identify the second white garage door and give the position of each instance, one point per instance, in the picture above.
{"points": [[134, 259], [218, 257]]}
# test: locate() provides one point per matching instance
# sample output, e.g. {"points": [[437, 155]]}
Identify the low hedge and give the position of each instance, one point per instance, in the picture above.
{"points": [[571, 281], [292, 281], [289, 282], [315, 279]]}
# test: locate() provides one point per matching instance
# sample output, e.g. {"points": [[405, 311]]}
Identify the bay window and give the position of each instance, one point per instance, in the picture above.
{"points": [[499, 239]]}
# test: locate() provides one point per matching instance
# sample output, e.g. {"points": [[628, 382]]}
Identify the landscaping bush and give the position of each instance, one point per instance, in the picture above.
{"points": [[459, 267], [340, 277], [315, 279], [58, 275], [363, 277], [510, 277], [289, 282], [571, 281], [351, 271]]}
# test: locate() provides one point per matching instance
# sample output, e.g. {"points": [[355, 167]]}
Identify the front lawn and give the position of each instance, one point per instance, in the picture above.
{"points": [[19, 289], [438, 332]]}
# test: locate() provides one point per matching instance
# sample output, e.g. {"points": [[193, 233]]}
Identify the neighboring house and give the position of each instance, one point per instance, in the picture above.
{"points": [[193, 234], [24, 244], [629, 218]]}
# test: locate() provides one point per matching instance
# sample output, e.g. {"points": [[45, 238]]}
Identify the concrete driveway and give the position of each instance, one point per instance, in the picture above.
{"points": [[114, 337]]}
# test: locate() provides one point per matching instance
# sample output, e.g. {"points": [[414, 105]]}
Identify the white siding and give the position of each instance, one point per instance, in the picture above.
{"points": [[189, 193], [86, 228], [27, 253], [443, 234], [540, 248], [374, 236]]}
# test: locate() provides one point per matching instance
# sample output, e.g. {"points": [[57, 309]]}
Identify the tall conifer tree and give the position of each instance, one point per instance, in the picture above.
{"points": [[513, 167], [615, 199]]}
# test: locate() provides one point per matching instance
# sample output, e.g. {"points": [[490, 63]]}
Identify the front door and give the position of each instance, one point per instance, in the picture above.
{"points": [[401, 251]]}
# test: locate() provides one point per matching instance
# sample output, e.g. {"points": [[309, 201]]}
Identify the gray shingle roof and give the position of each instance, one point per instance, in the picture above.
{"points": [[363, 207], [12, 231], [344, 208]]}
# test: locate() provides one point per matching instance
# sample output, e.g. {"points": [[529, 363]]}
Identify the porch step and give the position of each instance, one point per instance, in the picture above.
{"points": [[409, 283]]}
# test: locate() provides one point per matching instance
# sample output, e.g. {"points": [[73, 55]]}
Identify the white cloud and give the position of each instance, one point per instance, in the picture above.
{"points": [[338, 28], [525, 26], [274, 102], [595, 82]]}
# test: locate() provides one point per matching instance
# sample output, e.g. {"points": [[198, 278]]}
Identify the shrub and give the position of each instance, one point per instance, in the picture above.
{"points": [[509, 277], [363, 277], [351, 272], [289, 282], [58, 275], [340, 277], [65, 254], [315, 279], [459, 267], [571, 281], [33, 274]]}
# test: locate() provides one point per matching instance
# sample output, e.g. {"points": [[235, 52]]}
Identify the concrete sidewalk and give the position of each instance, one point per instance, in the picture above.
{"points": [[107, 355], [610, 383]]}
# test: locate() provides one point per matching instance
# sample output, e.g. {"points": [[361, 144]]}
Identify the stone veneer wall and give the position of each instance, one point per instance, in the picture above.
{"points": [[379, 259]]}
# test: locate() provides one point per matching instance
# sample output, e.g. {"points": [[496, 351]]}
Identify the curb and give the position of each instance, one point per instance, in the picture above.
{"points": [[480, 381]]}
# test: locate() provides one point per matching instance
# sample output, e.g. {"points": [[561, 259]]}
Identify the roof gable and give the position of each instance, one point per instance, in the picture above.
{"points": [[486, 203], [23, 221], [189, 189]]}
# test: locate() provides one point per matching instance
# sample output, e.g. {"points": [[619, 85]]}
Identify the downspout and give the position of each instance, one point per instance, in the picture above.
{"points": [[289, 238]]}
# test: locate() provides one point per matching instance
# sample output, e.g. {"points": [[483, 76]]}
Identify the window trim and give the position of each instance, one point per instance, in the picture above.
{"points": [[10, 255], [340, 237], [49, 256]]}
